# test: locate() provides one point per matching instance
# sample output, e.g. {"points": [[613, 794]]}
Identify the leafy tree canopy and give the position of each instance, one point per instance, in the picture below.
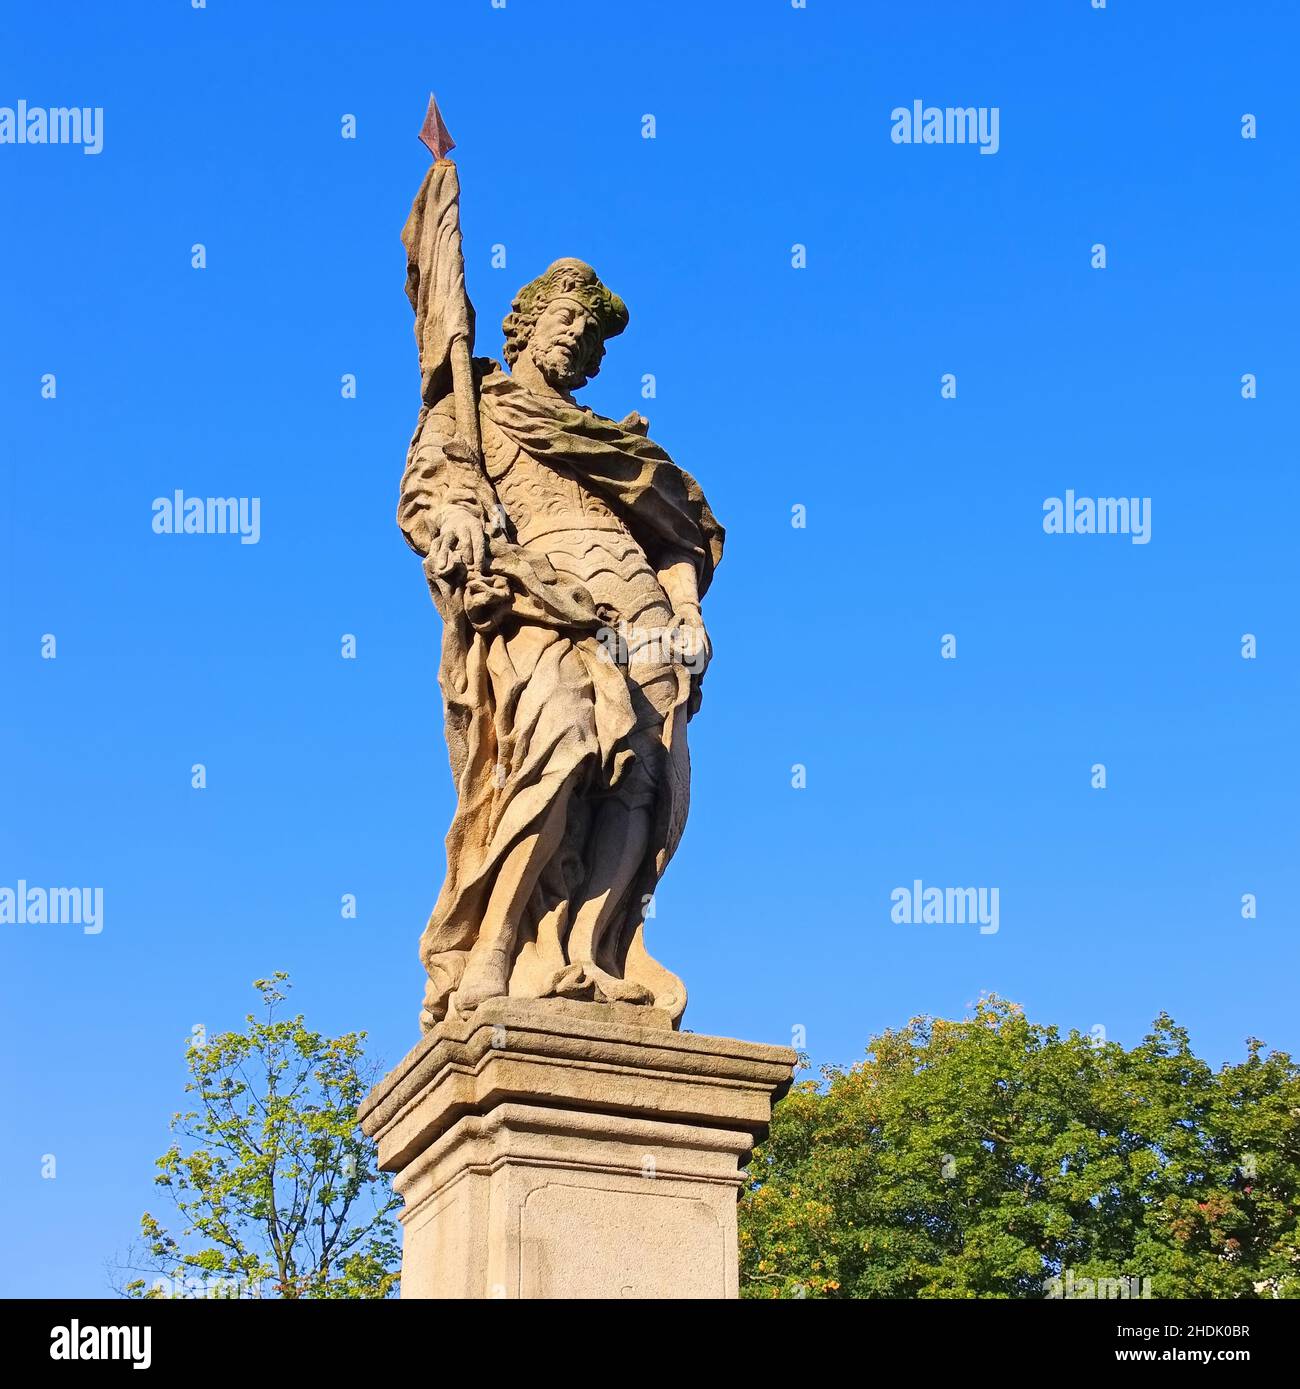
{"points": [[274, 1187], [988, 1156]]}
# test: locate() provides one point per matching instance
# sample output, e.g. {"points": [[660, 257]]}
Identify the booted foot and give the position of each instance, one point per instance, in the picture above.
{"points": [[587, 981], [483, 979]]}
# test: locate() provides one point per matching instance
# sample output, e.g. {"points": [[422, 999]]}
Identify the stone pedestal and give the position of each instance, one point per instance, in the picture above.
{"points": [[546, 1148]]}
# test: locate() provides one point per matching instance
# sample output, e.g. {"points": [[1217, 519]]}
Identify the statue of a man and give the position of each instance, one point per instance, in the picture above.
{"points": [[567, 563]]}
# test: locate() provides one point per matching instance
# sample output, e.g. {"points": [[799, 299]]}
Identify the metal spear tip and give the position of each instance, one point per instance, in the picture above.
{"points": [[434, 132]]}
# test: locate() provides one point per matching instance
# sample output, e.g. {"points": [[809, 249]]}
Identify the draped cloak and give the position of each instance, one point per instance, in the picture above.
{"points": [[535, 709]]}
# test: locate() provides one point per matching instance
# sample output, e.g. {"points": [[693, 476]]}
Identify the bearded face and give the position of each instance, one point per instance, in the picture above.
{"points": [[564, 344]]}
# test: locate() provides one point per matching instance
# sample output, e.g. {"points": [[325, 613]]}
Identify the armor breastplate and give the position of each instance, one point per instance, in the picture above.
{"points": [[554, 515], [539, 497]]}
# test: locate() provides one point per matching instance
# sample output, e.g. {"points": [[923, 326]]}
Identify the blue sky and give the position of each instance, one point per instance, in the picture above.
{"points": [[777, 387]]}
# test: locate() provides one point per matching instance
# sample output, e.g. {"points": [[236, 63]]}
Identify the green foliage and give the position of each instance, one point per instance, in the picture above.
{"points": [[983, 1157], [275, 1186]]}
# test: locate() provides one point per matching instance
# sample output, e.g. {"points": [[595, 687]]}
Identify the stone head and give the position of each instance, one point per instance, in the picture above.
{"points": [[562, 321]]}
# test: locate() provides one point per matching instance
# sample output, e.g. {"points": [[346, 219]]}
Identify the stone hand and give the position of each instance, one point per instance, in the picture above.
{"points": [[458, 451], [691, 646], [459, 542]]}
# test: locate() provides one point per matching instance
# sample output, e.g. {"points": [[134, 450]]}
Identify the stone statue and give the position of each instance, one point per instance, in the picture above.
{"points": [[567, 556]]}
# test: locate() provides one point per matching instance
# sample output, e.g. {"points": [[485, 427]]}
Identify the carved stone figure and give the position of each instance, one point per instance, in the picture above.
{"points": [[567, 556]]}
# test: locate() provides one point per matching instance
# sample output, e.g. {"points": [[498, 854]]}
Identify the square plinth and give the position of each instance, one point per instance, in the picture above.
{"points": [[546, 1148]]}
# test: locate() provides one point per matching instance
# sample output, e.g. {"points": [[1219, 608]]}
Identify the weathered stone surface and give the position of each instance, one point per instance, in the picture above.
{"points": [[568, 556], [549, 1149], [554, 1134]]}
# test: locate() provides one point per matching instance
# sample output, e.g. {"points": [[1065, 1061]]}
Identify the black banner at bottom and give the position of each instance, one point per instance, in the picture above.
{"points": [[58, 1338]]}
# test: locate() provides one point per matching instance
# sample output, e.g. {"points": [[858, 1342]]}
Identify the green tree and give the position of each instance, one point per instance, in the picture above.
{"points": [[275, 1187], [987, 1156]]}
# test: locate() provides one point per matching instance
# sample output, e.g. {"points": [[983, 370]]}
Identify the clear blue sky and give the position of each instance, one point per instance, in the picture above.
{"points": [[776, 387]]}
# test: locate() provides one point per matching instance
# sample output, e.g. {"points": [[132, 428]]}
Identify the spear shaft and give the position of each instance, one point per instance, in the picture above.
{"points": [[437, 138]]}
